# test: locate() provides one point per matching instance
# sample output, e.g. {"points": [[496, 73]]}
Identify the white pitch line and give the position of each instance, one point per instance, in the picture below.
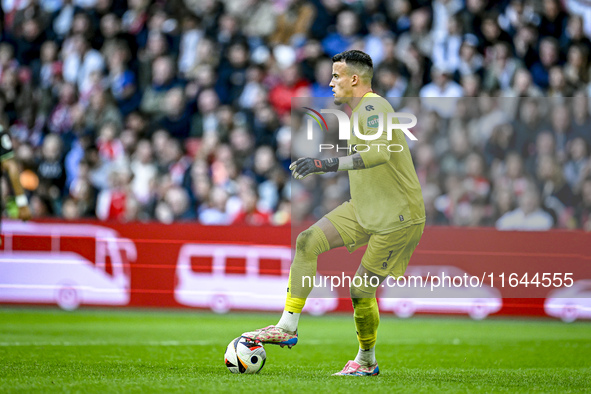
{"points": [[314, 342], [110, 343]]}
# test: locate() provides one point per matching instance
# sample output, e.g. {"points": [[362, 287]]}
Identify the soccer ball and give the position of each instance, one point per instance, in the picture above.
{"points": [[245, 356]]}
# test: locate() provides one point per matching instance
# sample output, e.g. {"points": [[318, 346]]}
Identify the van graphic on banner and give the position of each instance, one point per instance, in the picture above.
{"points": [[224, 277], [64, 264]]}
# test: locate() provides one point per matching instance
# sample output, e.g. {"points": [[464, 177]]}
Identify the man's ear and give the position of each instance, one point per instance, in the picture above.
{"points": [[354, 79]]}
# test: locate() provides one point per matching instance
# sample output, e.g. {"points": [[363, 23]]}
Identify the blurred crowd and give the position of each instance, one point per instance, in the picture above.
{"points": [[180, 110]]}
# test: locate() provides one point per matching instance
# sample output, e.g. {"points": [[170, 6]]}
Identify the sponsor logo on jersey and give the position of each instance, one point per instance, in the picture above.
{"points": [[373, 121]]}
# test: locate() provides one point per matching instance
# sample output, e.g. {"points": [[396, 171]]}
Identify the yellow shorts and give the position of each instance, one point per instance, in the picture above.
{"points": [[386, 254]]}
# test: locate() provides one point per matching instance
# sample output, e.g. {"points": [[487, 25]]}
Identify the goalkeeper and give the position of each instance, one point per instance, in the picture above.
{"points": [[385, 212]]}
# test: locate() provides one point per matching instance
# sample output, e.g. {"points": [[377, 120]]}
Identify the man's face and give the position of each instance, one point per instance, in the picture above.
{"points": [[341, 83]]}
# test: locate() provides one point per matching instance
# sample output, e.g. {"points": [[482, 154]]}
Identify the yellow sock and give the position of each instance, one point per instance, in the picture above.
{"points": [[367, 320], [310, 243]]}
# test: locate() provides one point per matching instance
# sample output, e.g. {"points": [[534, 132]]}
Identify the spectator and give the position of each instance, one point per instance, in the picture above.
{"points": [[258, 19], [557, 196], [347, 27], [516, 15], [232, 73], [102, 111], [144, 172], [249, 213], [52, 175], [80, 62], [574, 168], [177, 200], [522, 87], [559, 86], [443, 13], [112, 201], [584, 208], [446, 48], [525, 43], [190, 38], [374, 41], [434, 216], [70, 210], [545, 145], [560, 119], [528, 217], [293, 24], [513, 177], [470, 61], [502, 140], [291, 85], [205, 121], [177, 115], [419, 34], [581, 119], [442, 87], [122, 81], [214, 213], [156, 47], [28, 44], [177, 163], [492, 34], [499, 74], [110, 148], [476, 183], [528, 124], [163, 79], [111, 30], [554, 19], [549, 57], [576, 69], [503, 202], [574, 34]]}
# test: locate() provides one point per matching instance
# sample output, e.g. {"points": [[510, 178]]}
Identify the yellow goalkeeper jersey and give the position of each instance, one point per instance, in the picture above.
{"points": [[386, 194]]}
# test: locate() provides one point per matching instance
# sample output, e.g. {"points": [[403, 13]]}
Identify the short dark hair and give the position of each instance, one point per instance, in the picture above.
{"points": [[360, 61], [354, 58]]}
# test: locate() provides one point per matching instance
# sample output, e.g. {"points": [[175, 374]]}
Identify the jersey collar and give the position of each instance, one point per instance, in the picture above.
{"points": [[360, 101]]}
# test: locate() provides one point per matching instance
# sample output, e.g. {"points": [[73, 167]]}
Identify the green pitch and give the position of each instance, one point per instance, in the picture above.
{"points": [[121, 351]]}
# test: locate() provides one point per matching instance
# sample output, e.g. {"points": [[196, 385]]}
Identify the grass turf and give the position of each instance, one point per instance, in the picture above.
{"points": [[136, 351]]}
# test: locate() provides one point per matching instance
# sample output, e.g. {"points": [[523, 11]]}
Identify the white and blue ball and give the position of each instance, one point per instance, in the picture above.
{"points": [[245, 356]]}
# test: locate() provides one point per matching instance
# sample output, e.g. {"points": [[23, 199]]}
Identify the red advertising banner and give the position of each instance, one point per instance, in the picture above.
{"points": [[462, 270]]}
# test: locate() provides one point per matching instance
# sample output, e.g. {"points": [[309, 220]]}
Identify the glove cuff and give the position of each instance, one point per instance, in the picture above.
{"points": [[331, 165]]}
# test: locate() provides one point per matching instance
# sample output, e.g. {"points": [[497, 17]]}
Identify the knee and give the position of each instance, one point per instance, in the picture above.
{"points": [[305, 241], [361, 293]]}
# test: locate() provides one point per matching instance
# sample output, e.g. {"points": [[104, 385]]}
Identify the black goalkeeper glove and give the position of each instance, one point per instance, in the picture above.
{"points": [[301, 168]]}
